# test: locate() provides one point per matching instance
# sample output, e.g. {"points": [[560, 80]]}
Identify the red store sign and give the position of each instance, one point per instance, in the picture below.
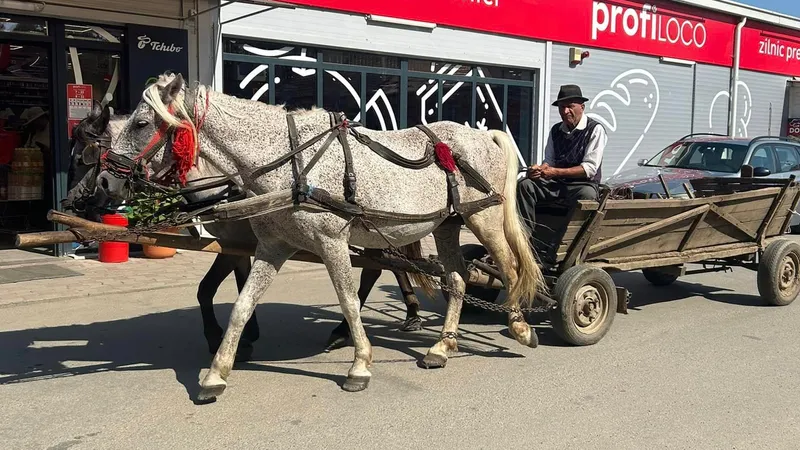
{"points": [[767, 49], [657, 28]]}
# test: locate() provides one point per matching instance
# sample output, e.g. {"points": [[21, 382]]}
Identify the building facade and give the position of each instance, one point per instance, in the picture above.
{"points": [[653, 71], [54, 61]]}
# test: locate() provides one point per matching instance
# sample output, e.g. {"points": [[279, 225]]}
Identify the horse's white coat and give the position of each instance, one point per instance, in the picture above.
{"points": [[239, 135]]}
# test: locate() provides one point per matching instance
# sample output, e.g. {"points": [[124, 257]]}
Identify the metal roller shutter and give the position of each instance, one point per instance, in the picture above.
{"points": [[643, 103]]}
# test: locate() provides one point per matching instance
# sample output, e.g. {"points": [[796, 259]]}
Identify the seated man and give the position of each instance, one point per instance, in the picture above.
{"points": [[572, 159]]}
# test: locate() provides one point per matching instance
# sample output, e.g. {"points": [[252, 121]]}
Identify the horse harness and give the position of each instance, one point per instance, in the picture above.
{"points": [[135, 172]]}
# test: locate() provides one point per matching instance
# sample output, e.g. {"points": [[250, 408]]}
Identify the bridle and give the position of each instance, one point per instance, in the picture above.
{"points": [[134, 170]]}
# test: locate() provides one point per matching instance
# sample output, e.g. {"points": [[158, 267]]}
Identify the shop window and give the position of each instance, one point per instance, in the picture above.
{"points": [[270, 50], [457, 102], [98, 68], [383, 102], [422, 98], [439, 67], [26, 157], [360, 59], [295, 87], [22, 25], [519, 118], [504, 73], [246, 80], [341, 92], [471, 95], [489, 106], [93, 33]]}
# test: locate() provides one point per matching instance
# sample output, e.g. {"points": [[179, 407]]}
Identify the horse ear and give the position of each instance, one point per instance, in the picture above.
{"points": [[171, 90]]}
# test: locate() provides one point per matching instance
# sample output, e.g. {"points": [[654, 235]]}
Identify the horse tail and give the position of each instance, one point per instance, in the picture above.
{"points": [[529, 274], [414, 251]]}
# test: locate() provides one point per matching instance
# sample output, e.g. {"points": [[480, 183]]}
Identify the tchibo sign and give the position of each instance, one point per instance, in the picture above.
{"points": [[647, 24], [146, 42]]}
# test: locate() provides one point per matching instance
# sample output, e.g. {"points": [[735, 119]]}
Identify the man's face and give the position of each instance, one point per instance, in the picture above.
{"points": [[571, 112]]}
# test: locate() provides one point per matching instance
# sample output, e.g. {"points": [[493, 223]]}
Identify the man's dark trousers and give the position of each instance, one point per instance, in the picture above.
{"points": [[541, 192]]}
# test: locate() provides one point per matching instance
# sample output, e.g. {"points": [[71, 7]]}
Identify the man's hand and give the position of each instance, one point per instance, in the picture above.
{"points": [[535, 171], [548, 172]]}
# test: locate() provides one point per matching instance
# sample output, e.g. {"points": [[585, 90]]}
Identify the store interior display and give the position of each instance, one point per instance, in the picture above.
{"points": [[25, 147]]}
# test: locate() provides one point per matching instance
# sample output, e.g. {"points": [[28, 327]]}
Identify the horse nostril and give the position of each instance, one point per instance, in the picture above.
{"points": [[104, 183]]}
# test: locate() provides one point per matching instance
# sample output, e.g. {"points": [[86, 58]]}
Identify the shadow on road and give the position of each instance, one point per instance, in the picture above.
{"points": [[174, 340], [643, 293]]}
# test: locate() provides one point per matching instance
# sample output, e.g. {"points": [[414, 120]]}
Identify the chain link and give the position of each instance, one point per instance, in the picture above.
{"points": [[474, 301]]}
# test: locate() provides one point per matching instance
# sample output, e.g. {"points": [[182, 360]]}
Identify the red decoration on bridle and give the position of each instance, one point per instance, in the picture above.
{"points": [[185, 147], [445, 156]]}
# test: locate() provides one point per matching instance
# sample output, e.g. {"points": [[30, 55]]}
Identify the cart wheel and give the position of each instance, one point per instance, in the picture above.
{"points": [[779, 272], [587, 303], [470, 252], [657, 278]]}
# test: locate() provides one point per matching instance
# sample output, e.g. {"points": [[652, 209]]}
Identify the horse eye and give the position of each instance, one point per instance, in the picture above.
{"points": [[141, 123]]}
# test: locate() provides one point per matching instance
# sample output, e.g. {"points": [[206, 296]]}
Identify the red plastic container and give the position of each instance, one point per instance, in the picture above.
{"points": [[113, 252]]}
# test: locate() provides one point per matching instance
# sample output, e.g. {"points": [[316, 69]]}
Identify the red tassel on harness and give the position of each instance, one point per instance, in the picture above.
{"points": [[445, 156], [183, 152]]}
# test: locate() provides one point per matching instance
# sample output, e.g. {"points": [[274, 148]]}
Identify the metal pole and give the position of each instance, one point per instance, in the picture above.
{"points": [[737, 46]]}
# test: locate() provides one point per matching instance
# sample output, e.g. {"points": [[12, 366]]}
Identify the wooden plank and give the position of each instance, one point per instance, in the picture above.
{"points": [[688, 237], [673, 258], [792, 208], [773, 208], [648, 229], [677, 203], [578, 244], [732, 220]]}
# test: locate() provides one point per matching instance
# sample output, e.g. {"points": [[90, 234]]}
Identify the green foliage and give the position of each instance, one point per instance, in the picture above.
{"points": [[150, 208]]}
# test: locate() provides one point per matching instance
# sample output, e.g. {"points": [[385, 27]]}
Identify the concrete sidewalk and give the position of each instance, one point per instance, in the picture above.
{"points": [[138, 274]]}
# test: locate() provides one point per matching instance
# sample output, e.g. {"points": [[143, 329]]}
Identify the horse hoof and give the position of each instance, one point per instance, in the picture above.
{"points": [[433, 361], [355, 384], [209, 394], [412, 324], [335, 342], [534, 339]]}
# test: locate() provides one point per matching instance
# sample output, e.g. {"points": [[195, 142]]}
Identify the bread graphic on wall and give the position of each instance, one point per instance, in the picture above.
{"points": [[629, 106], [718, 112]]}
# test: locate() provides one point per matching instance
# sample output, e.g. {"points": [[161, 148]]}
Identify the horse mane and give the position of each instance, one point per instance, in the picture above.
{"points": [[180, 119]]}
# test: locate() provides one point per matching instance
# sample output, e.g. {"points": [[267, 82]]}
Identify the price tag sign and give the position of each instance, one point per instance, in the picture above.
{"points": [[79, 104]]}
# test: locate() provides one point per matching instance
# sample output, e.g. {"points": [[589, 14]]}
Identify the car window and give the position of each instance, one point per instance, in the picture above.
{"points": [[788, 158], [762, 157]]}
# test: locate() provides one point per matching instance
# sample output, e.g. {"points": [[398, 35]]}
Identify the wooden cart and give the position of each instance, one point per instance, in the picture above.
{"points": [[729, 222], [725, 222]]}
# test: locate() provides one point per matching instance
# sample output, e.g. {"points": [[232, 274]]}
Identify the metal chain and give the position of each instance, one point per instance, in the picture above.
{"points": [[474, 301]]}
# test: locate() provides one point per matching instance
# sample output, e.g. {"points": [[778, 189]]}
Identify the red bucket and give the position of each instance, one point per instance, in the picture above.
{"points": [[113, 252]]}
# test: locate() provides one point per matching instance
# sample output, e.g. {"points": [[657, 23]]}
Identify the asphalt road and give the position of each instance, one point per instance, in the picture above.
{"points": [[700, 364]]}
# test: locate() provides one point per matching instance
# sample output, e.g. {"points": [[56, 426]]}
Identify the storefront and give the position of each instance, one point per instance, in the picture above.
{"points": [[653, 71], [56, 60]]}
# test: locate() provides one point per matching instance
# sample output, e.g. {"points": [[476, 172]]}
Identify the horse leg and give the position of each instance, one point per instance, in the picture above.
{"points": [[446, 238], [336, 256], [223, 265], [413, 321], [487, 227], [251, 331], [271, 254], [341, 334]]}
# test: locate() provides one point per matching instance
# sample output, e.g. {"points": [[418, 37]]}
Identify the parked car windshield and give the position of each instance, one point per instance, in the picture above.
{"points": [[713, 156]]}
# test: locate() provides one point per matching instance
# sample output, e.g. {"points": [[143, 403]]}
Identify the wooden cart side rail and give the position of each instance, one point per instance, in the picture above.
{"points": [[623, 238], [678, 203], [673, 258]]}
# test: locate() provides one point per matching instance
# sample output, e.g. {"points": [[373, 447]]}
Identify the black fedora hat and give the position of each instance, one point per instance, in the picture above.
{"points": [[570, 92]]}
